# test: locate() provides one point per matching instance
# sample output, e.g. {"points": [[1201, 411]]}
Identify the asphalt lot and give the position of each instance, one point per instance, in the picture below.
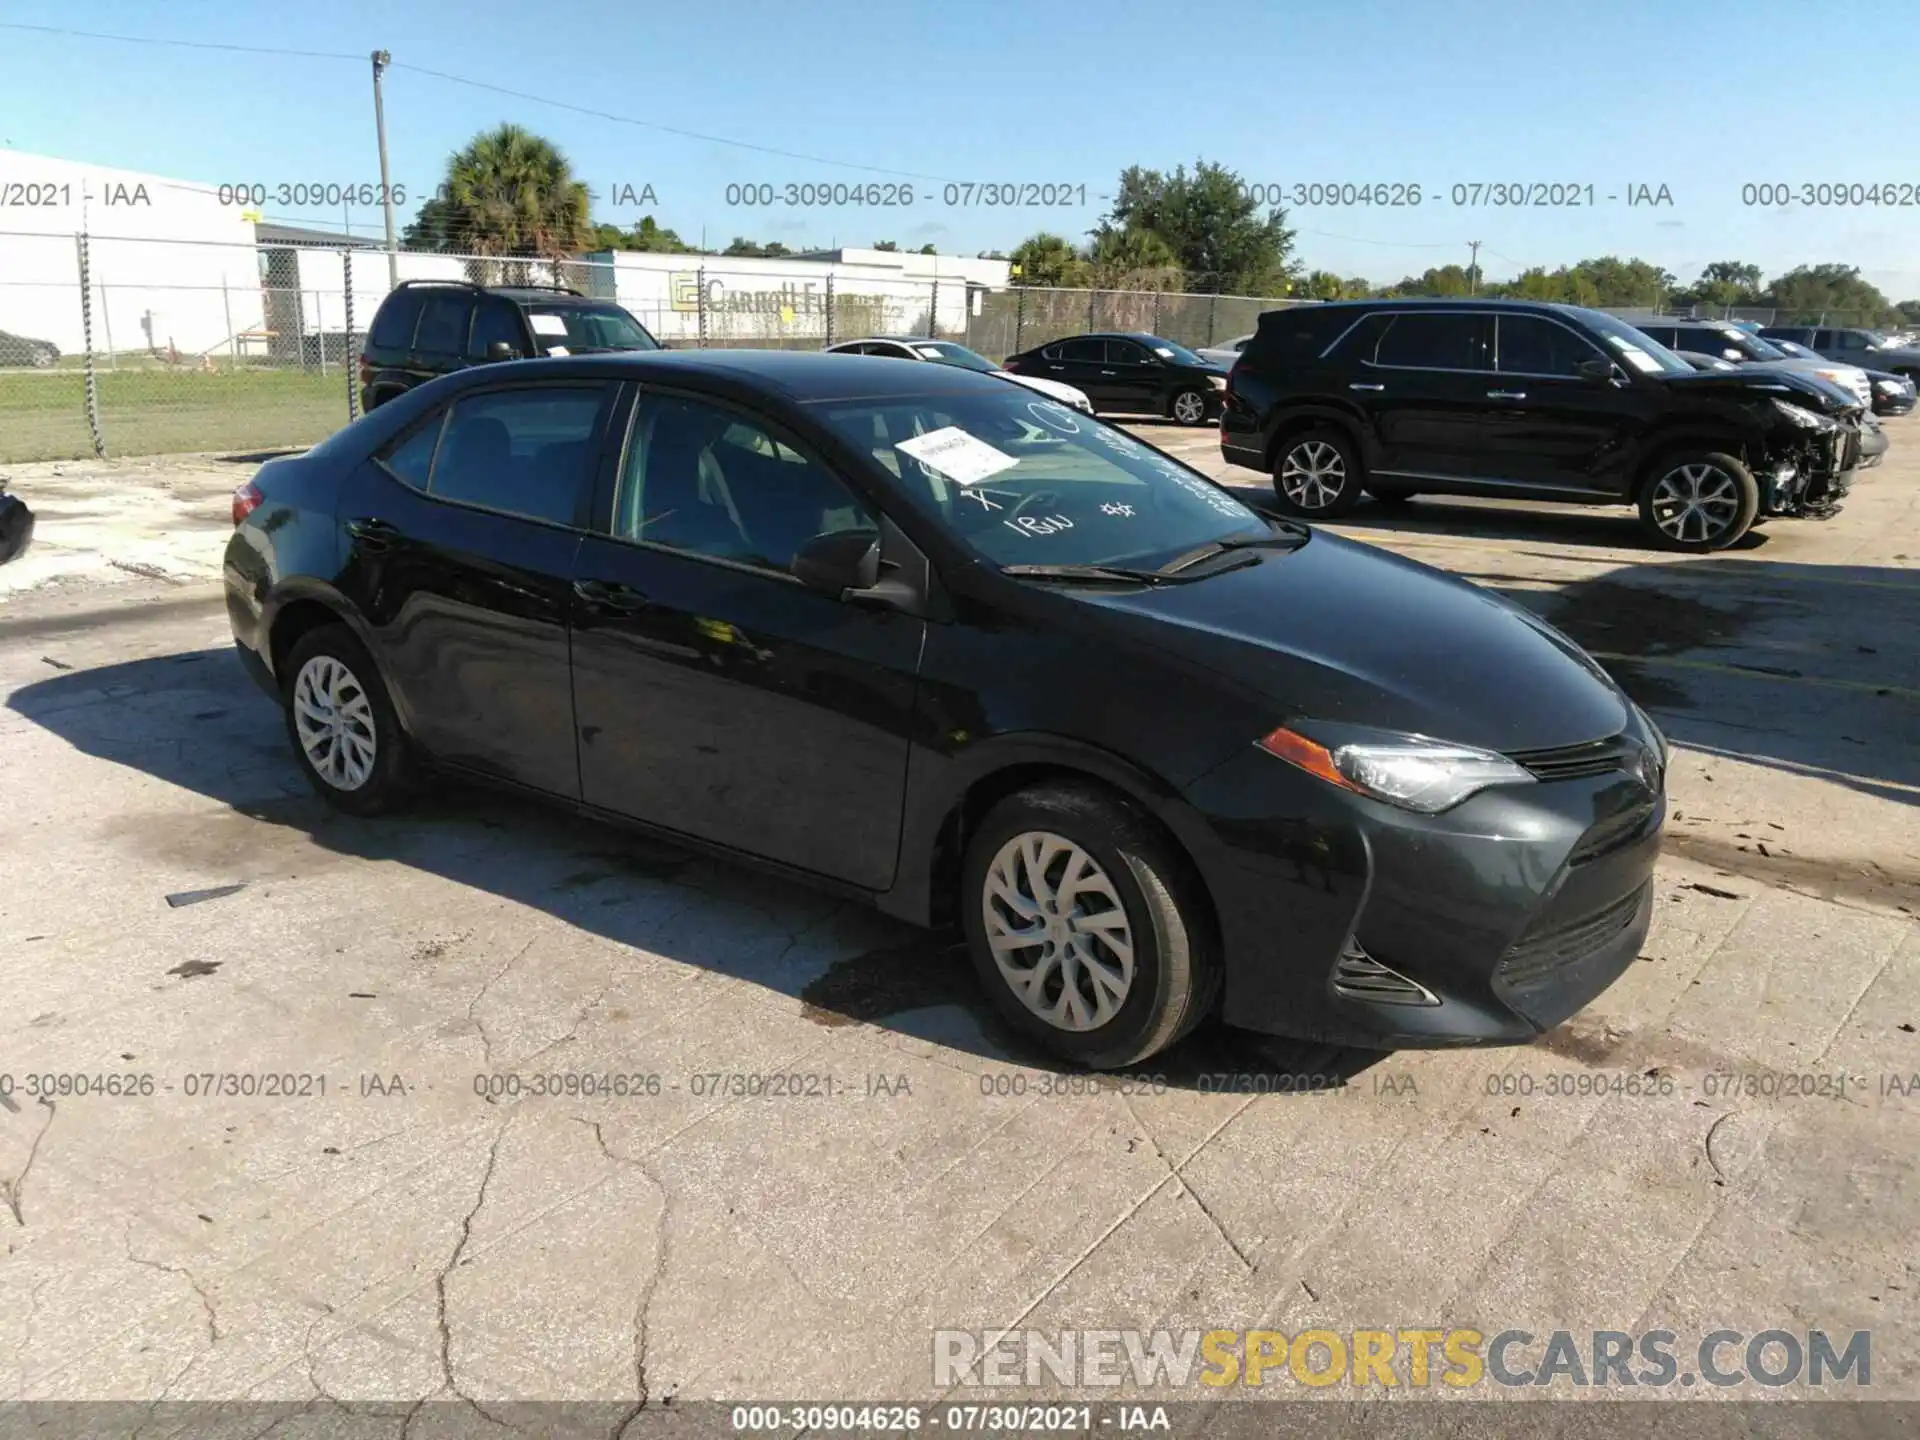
{"points": [[403, 1235]]}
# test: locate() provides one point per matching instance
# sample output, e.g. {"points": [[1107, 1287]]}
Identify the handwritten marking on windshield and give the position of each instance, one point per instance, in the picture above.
{"points": [[1038, 524]]}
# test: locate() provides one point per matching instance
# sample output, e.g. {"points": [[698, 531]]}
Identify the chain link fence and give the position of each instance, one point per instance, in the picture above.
{"points": [[117, 346]]}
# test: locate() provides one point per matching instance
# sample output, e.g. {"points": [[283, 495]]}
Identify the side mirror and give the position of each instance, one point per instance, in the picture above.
{"points": [[502, 350], [839, 561], [1598, 371]]}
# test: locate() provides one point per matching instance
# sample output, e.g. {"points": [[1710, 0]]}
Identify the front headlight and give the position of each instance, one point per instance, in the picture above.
{"points": [[1412, 771], [1888, 387], [1805, 419], [1659, 736], [1219, 381]]}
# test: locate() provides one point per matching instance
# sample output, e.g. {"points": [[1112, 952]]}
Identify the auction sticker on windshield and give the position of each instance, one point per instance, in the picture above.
{"points": [[1635, 356], [961, 457], [548, 324]]}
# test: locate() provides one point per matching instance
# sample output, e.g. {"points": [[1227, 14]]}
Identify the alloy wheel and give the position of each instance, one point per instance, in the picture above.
{"points": [[1189, 407], [1313, 475], [334, 720], [1058, 931], [1695, 503]]}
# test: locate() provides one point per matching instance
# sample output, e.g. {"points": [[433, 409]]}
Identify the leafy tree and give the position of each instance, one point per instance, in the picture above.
{"points": [[1441, 280], [508, 192], [647, 236], [928, 250], [1047, 259], [1909, 310], [743, 246], [1811, 291], [885, 245], [1131, 260], [1325, 285], [1212, 225]]}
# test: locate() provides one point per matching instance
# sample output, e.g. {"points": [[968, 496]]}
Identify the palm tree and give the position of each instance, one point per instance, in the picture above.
{"points": [[1133, 259], [1046, 259], [511, 192]]}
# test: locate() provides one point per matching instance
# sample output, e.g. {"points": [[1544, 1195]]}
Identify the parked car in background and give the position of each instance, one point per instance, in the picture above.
{"points": [[1893, 394], [1873, 440], [1731, 342], [1528, 401], [425, 328], [1853, 345], [16, 525], [1226, 352], [1130, 374], [920, 637], [24, 350], [945, 352]]}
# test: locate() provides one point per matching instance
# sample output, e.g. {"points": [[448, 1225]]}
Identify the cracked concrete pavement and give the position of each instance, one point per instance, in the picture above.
{"points": [[406, 1219]]}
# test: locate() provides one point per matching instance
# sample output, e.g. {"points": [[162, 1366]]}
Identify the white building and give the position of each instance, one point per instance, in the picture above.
{"points": [[170, 266], [786, 298]]}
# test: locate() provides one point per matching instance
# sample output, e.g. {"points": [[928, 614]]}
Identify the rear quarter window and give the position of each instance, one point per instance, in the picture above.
{"points": [[1299, 334], [393, 326]]}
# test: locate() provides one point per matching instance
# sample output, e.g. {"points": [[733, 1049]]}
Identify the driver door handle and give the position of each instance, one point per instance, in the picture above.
{"points": [[1506, 394], [1360, 385], [610, 595]]}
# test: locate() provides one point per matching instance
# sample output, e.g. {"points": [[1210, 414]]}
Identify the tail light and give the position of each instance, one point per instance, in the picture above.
{"points": [[246, 499]]}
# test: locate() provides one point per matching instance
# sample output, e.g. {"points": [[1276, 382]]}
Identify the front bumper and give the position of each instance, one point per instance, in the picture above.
{"points": [[1495, 920]]}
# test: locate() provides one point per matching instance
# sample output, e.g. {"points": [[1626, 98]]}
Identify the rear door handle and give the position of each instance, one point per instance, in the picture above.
{"points": [[610, 595], [1358, 385], [1109, 372], [373, 534], [1506, 394]]}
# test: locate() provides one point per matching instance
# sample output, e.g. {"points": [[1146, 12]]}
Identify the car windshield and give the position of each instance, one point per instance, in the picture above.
{"points": [[1026, 481], [1751, 345], [1167, 350], [945, 352], [1642, 352], [1876, 340], [1792, 351], [571, 329]]}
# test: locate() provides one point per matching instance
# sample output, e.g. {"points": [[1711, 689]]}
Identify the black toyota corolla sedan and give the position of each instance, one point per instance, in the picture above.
{"points": [[928, 639]]}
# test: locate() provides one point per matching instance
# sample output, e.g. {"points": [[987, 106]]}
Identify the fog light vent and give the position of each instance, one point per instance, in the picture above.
{"points": [[1358, 976]]}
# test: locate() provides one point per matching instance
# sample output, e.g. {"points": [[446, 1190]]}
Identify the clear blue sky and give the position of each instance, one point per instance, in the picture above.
{"points": [[1701, 96]]}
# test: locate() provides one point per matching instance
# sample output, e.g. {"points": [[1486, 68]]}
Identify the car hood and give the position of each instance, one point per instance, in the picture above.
{"points": [[1757, 381], [1341, 631], [1058, 389]]}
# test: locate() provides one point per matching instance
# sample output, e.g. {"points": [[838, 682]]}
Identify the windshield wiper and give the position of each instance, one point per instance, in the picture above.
{"points": [[1285, 539], [1119, 574]]}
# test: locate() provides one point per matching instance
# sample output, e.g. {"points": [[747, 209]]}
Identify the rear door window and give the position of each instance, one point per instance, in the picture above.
{"points": [[522, 452], [443, 324], [1454, 341], [1087, 352]]}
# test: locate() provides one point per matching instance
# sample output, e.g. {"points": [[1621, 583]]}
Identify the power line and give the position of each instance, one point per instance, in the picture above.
{"points": [[181, 44], [485, 85]]}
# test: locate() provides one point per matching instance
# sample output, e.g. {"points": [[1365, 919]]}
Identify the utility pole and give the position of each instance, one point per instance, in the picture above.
{"points": [[1473, 268], [381, 59]]}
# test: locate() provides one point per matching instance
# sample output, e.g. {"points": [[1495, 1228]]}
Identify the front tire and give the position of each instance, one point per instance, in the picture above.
{"points": [[1085, 928], [1188, 407], [345, 734], [1317, 475], [1698, 501]]}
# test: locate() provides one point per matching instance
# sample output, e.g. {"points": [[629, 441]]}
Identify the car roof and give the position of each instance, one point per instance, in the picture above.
{"points": [[800, 376]]}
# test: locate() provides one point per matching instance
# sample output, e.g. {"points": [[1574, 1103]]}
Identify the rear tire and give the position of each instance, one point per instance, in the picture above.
{"points": [[1698, 501], [1317, 475], [1088, 933], [345, 734]]}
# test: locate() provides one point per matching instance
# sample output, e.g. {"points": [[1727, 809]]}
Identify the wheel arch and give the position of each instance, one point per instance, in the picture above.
{"points": [[1298, 421], [934, 851], [300, 608], [1661, 447]]}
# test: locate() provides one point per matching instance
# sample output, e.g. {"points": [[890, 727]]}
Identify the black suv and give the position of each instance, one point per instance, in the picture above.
{"points": [[1132, 374], [1527, 401], [426, 328]]}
